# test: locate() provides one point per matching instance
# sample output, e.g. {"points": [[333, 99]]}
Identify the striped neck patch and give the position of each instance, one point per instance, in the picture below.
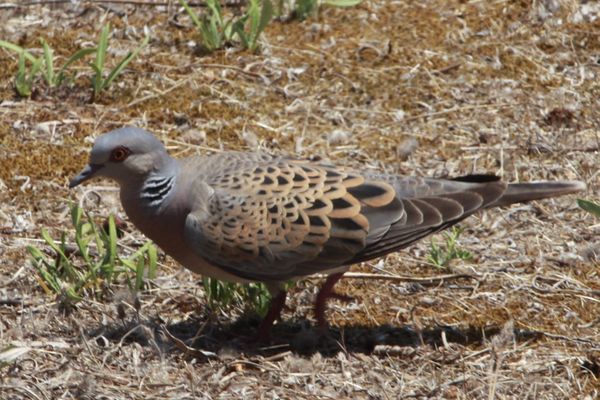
{"points": [[156, 190]]}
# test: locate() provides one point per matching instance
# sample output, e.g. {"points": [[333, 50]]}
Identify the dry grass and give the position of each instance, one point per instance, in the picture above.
{"points": [[502, 87]]}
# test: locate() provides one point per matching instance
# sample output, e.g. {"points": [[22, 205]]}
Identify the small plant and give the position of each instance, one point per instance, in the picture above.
{"points": [[304, 9], [441, 257], [215, 32], [99, 82], [257, 17], [44, 64], [92, 264], [25, 77], [56, 79], [252, 296], [589, 206]]}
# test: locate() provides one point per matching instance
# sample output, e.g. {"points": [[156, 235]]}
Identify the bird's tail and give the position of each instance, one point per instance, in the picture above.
{"points": [[521, 192]]}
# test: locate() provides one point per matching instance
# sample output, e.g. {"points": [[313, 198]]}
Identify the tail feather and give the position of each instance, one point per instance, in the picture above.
{"points": [[521, 192]]}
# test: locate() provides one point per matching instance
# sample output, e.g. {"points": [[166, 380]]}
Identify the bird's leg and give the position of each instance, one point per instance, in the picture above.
{"points": [[274, 313], [324, 294]]}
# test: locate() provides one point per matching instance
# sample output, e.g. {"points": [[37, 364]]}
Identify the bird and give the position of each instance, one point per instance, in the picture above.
{"points": [[256, 217]]}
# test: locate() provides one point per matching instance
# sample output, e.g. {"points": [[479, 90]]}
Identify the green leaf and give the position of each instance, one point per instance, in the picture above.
{"points": [[589, 206], [49, 61], [139, 274], [112, 244], [266, 13], [238, 28], [126, 60], [24, 80], [210, 25], [78, 55], [97, 81], [21, 84], [18, 49], [129, 263], [36, 253], [57, 249], [228, 32], [341, 3], [214, 38], [215, 10], [258, 22], [98, 64], [152, 260], [441, 257], [82, 237], [76, 213], [191, 13], [35, 68], [304, 8], [72, 295], [50, 278], [59, 274]]}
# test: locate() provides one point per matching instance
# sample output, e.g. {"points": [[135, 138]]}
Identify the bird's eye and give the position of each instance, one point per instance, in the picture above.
{"points": [[119, 154]]}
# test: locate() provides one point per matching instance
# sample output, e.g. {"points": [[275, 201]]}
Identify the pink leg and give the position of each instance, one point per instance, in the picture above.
{"points": [[324, 294], [264, 329]]}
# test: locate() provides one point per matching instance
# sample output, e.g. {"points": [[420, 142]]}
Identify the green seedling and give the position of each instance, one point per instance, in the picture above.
{"points": [[55, 79], [25, 77], [99, 82], [254, 297], [305, 8], [257, 17], [93, 264], [214, 32], [44, 64], [18, 49], [442, 256], [589, 206]]}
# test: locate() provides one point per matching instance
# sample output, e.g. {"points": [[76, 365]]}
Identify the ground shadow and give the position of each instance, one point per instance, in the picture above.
{"points": [[203, 334]]}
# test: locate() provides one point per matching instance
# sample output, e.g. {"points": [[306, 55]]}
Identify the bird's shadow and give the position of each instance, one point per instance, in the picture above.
{"points": [[201, 336]]}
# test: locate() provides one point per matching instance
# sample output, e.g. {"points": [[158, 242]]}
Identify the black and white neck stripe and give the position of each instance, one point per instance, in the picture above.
{"points": [[156, 190]]}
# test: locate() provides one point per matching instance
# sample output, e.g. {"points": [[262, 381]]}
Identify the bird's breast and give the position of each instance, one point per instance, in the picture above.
{"points": [[165, 226]]}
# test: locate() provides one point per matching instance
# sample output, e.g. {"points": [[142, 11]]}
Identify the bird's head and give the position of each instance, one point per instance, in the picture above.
{"points": [[127, 155]]}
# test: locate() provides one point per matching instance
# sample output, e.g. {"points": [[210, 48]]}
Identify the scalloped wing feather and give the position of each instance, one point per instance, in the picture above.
{"points": [[273, 219]]}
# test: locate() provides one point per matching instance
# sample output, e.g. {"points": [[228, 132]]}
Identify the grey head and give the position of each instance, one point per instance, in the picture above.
{"points": [[128, 155]]}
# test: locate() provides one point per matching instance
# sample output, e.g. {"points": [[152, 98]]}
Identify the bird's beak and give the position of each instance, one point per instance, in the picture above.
{"points": [[87, 173]]}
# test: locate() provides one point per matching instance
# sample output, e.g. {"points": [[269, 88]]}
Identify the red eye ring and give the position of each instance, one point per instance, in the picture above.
{"points": [[119, 154]]}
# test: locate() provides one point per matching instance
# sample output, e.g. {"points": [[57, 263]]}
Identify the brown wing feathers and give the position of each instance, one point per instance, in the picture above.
{"points": [[267, 219], [426, 213], [274, 219]]}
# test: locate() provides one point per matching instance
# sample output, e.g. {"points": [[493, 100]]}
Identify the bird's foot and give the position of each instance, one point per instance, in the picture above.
{"points": [[323, 296], [263, 335]]}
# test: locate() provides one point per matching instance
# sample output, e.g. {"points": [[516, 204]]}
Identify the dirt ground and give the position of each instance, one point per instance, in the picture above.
{"points": [[427, 87]]}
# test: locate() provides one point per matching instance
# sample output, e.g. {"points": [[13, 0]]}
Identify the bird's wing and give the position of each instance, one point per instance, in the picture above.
{"points": [[272, 219], [276, 219], [431, 205]]}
